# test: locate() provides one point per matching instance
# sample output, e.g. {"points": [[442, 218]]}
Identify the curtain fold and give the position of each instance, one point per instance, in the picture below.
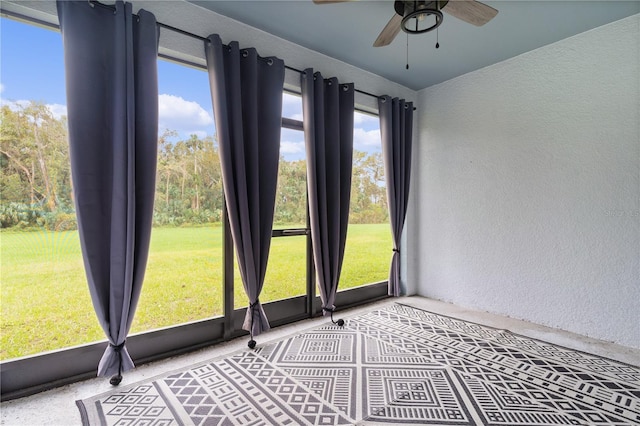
{"points": [[112, 105], [396, 126], [246, 92], [328, 109]]}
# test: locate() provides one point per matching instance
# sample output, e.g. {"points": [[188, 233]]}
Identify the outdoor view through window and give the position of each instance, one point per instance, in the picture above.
{"points": [[45, 302]]}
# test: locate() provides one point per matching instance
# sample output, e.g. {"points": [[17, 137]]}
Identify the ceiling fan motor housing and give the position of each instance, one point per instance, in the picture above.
{"points": [[420, 16]]}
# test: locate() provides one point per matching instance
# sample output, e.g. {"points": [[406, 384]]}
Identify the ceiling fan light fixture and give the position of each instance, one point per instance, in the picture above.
{"points": [[420, 18]]}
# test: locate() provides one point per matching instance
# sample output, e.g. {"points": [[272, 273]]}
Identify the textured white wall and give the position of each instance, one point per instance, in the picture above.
{"points": [[527, 186]]}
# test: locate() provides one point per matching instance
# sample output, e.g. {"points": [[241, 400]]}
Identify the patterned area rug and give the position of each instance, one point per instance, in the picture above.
{"points": [[397, 365]]}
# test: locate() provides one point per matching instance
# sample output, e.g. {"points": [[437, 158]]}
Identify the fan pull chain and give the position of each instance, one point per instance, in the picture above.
{"points": [[407, 51], [437, 38]]}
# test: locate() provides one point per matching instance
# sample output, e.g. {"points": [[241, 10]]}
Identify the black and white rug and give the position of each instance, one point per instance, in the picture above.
{"points": [[397, 365]]}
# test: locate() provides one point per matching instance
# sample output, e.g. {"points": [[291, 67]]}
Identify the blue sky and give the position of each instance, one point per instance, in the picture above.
{"points": [[32, 68]]}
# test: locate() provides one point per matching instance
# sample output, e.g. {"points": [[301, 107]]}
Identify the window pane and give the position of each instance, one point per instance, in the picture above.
{"points": [[291, 196], [286, 272], [286, 268], [368, 249], [292, 106], [45, 297], [183, 281]]}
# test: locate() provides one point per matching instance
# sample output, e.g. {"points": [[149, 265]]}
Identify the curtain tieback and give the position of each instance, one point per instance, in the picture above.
{"points": [[115, 380], [117, 348], [340, 322], [395, 250], [252, 307]]}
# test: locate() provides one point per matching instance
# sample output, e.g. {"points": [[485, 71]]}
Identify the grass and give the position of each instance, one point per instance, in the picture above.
{"points": [[45, 301]]}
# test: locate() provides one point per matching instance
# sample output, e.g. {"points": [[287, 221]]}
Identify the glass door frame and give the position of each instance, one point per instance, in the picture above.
{"points": [[282, 311]]}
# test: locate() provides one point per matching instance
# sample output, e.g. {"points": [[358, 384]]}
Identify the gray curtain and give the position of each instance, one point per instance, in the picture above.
{"points": [[112, 105], [328, 109], [396, 124], [246, 91]]}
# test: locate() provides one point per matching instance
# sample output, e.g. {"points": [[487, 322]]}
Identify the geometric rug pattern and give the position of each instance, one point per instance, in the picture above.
{"points": [[397, 365]]}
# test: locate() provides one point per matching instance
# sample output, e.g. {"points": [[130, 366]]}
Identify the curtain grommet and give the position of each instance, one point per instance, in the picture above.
{"points": [[270, 61], [245, 53]]}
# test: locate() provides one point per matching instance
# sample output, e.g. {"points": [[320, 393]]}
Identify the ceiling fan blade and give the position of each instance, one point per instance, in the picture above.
{"points": [[389, 32], [470, 11]]}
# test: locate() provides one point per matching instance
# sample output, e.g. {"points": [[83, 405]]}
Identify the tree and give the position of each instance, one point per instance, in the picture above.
{"points": [[36, 176], [189, 183], [34, 150], [368, 193], [165, 169], [212, 196], [291, 195]]}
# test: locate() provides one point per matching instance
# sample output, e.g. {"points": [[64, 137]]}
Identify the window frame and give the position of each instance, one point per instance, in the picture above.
{"points": [[31, 374]]}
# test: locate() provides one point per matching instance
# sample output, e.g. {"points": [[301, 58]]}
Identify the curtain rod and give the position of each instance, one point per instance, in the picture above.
{"points": [[93, 3], [198, 37], [188, 34]]}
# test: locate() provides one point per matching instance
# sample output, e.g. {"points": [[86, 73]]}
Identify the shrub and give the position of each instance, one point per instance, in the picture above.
{"points": [[20, 215], [61, 221]]}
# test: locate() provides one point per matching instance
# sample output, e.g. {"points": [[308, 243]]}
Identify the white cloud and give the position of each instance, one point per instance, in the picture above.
{"points": [[14, 105], [288, 147], [291, 100], [57, 110], [176, 113], [291, 106], [366, 138], [360, 118]]}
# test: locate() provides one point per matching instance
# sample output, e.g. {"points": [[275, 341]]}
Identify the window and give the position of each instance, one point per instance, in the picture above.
{"points": [[368, 249], [183, 280], [286, 275], [191, 295], [45, 299], [40, 242]]}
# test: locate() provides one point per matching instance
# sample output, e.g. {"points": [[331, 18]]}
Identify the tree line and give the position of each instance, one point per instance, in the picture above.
{"points": [[36, 188]]}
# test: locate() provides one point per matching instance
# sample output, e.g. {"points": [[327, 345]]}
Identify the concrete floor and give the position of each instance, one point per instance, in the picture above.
{"points": [[57, 406]]}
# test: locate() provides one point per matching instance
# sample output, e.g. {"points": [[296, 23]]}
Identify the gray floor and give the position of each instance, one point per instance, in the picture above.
{"points": [[57, 406]]}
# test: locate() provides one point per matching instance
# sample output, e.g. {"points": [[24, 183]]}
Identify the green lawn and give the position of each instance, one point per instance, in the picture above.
{"points": [[45, 302]]}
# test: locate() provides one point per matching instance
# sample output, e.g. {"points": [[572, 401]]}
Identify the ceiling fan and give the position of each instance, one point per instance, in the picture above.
{"points": [[416, 17]]}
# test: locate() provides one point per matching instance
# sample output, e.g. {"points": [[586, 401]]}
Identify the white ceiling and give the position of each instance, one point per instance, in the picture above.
{"points": [[346, 31]]}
